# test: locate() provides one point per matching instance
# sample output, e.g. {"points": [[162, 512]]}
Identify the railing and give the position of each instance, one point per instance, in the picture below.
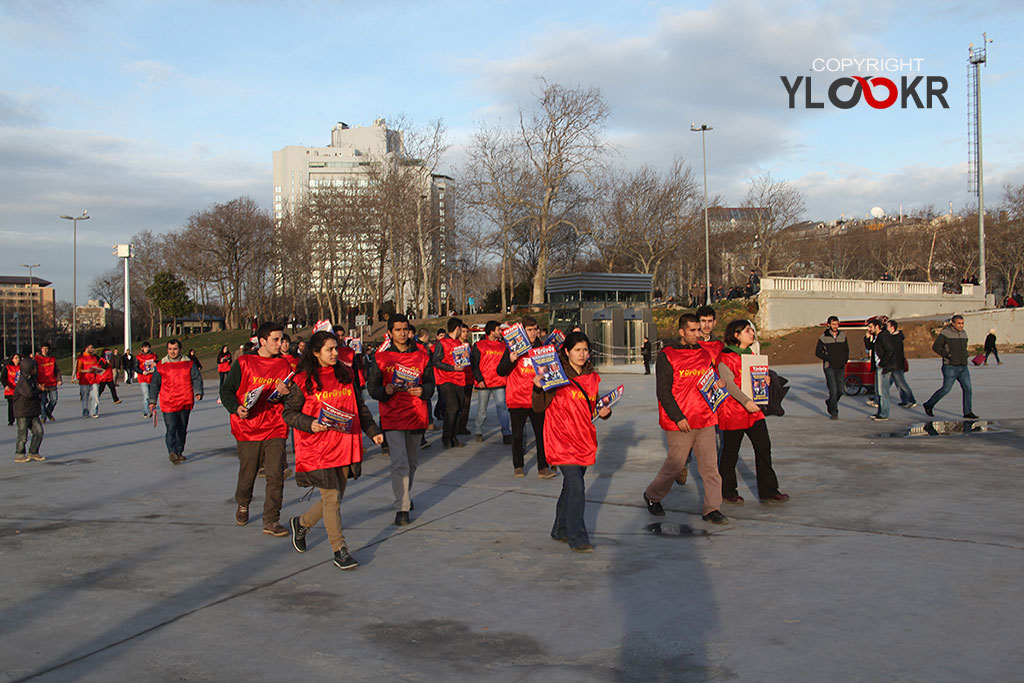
{"points": [[817, 284]]}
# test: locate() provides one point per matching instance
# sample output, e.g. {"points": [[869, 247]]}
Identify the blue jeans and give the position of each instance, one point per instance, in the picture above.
{"points": [[835, 380], [906, 393], [883, 380], [177, 426], [483, 397], [951, 374], [569, 522], [47, 401], [144, 388], [90, 395]]}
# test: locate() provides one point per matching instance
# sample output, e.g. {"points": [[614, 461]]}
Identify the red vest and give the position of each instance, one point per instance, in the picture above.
{"points": [[108, 372], [490, 355], [731, 414], [47, 372], [570, 437], [402, 410], [714, 349], [12, 379], [457, 377], [224, 363], [175, 386], [688, 365], [86, 362], [331, 448], [141, 359], [519, 385], [264, 421]]}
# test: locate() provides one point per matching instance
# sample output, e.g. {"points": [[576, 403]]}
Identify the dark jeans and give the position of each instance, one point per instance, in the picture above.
{"points": [[569, 523], [24, 425], [177, 426], [835, 380], [767, 482], [950, 375], [452, 397], [10, 410], [48, 401], [223, 376], [113, 391], [250, 455], [993, 352], [467, 396], [518, 417]]}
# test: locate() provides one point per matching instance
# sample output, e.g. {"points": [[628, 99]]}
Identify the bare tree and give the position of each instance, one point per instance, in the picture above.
{"points": [[109, 286], [777, 204]]}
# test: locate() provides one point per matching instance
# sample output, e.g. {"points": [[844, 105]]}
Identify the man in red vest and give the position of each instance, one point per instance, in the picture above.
{"points": [[519, 398], [87, 371], [145, 367], [450, 376], [177, 384], [484, 358], [49, 380], [257, 426], [688, 420]]}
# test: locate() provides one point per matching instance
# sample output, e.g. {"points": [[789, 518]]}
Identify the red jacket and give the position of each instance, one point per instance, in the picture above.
{"points": [[487, 354], [688, 366], [570, 437], [144, 359], [402, 410], [331, 448], [264, 421], [731, 414], [175, 387]]}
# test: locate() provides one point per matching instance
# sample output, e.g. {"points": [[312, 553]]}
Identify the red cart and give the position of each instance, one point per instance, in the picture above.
{"points": [[859, 377]]}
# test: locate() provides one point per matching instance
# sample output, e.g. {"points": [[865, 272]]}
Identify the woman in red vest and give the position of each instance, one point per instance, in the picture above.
{"points": [[327, 413], [223, 366], [12, 368], [105, 380], [739, 415], [571, 437]]}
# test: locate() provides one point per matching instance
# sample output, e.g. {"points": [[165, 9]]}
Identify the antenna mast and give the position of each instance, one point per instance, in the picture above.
{"points": [[976, 57]]}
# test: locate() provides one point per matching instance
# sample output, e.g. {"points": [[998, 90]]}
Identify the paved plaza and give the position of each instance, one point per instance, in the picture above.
{"points": [[896, 559]]}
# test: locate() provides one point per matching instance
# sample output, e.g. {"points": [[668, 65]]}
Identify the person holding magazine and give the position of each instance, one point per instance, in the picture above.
{"points": [[739, 415], [450, 375], [571, 436], [325, 408], [518, 369], [401, 380], [485, 356], [146, 366], [223, 364]]}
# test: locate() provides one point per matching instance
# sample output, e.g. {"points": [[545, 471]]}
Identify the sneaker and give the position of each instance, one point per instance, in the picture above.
{"points": [[715, 517], [879, 418], [242, 515], [343, 559], [871, 402], [173, 457], [298, 535], [777, 498], [275, 529], [95, 417], [479, 438], [654, 506], [401, 518], [970, 416], [117, 401], [912, 404], [520, 473], [37, 457], [424, 444], [181, 459], [928, 410], [21, 457], [735, 500], [507, 440], [560, 539], [546, 473], [585, 548], [262, 474]]}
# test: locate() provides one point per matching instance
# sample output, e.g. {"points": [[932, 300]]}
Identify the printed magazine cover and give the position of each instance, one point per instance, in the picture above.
{"points": [[548, 367], [754, 380], [609, 399], [555, 339], [405, 378], [336, 418], [461, 356], [712, 394], [516, 339], [354, 343], [386, 344], [287, 380], [252, 396], [322, 326], [149, 366]]}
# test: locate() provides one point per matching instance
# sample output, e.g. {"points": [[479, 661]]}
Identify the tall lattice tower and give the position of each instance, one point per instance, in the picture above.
{"points": [[976, 57]]}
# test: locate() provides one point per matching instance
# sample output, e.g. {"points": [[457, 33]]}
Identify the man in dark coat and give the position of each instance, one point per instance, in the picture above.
{"points": [[27, 408]]}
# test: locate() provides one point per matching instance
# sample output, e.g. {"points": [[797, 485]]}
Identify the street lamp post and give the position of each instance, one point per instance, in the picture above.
{"points": [[31, 296], [703, 129], [125, 251], [74, 285]]}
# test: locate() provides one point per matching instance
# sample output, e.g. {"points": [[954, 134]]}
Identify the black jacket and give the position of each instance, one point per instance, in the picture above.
{"points": [[833, 351], [990, 343], [899, 355], [952, 346], [883, 348], [25, 402]]}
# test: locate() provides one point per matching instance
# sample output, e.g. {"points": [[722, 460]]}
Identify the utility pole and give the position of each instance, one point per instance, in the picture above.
{"points": [[976, 57], [31, 297], [74, 285], [703, 129], [124, 251]]}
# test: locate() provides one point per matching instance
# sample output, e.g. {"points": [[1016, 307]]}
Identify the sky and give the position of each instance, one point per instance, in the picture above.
{"points": [[145, 112]]}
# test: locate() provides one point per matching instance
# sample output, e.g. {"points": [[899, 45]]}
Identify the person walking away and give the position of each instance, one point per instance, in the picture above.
{"points": [[518, 371], [571, 436], [27, 409], [688, 421], [128, 365], [49, 379], [403, 407], [88, 371], [738, 416], [834, 351], [145, 367], [259, 428], [484, 359], [195, 359], [223, 367], [176, 385], [12, 371], [990, 347], [450, 382], [106, 377], [899, 378], [951, 345], [330, 452], [645, 352]]}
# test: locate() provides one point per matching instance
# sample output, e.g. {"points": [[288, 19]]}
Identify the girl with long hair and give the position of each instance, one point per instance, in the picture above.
{"points": [[570, 436], [223, 366], [325, 408]]}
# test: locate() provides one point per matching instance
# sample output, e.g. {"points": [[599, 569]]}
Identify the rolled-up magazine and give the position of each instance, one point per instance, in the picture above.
{"points": [[404, 378], [516, 339], [461, 356], [252, 396], [354, 343], [609, 399], [386, 344], [336, 418], [708, 389], [556, 338], [548, 367], [274, 395], [323, 326]]}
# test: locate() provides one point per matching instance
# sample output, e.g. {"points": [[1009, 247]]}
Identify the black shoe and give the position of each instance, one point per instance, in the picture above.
{"points": [[507, 440], [181, 459], [834, 417], [715, 517], [654, 507], [455, 443], [585, 548], [298, 535], [970, 416], [464, 432], [343, 559], [173, 457], [424, 444], [385, 450], [479, 438], [401, 518], [928, 410]]}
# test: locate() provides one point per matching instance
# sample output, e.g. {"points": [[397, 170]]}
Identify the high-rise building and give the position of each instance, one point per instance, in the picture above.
{"points": [[25, 302]]}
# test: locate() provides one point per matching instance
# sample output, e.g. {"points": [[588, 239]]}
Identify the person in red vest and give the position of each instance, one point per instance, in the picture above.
{"points": [[518, 397], [49, 380], [402, 404], [88, 371], [257, 425], [325, 408], [106, 378], [739, 415], [451, 380], [223, 367], [177, 385], [11, 373], [571, 436], [484, 359], [688, 420], [146, 366]]}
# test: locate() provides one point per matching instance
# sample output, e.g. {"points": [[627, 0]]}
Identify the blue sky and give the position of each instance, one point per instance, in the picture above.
{"points": [[144, 112]]}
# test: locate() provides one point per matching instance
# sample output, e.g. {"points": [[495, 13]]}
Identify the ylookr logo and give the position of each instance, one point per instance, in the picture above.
{"points": [[878, 92]]}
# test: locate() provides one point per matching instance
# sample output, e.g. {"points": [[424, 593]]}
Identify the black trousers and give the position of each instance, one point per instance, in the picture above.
{"points": [[113, 390], [767, 482], [453, 396], [467, 395], [519, 417]]}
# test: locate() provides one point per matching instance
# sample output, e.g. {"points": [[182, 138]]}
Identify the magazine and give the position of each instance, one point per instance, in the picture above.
{"points": [[555, 339], [336, 418], [287, 380], [149, 366], [609, 399], [354, 343], [547, 366], [255, 341], [516, 339], [386, 344], [405, 378], [252, 396], [711, 393], [323, 326], [754, 380], [460, 354]]}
